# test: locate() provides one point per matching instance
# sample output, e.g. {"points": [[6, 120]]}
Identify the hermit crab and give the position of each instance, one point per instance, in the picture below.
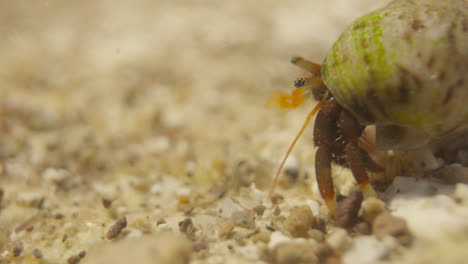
{"points": [[404, 69]]}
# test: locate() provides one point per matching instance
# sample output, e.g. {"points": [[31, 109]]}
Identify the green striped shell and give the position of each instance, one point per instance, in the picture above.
{"points": [[405, 66]]}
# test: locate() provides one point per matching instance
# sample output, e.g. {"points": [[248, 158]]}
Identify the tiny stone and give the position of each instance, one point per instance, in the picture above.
{"points": [[363, 228], [300, 221], [386, 224], [116, 228], [347, 210], [270, 228], [106, 203], [461, 193], [292, 174], [462, 157], [2, 193], [277, 198], [316, 235], [75, 259], [277, 211], [339, 240], [259, 210], [59, 216], [18, 248], [371, 208], [226, 230], [160, 222], [185, 225], [37, 253], [64, 237], [261, 237], [325, 253], [243, 218], [82, 254], [200, 244], [293, 253]]}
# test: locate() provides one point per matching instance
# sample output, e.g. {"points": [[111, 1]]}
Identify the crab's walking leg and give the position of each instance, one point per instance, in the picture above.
{"points": [[324, 177], [325, 133], [351, 131]]}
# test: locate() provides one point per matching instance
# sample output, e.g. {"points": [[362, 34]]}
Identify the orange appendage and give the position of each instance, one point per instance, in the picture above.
{"points": [[284, 100]]}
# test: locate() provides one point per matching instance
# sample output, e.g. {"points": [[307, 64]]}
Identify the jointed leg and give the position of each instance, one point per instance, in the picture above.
{"points": [[323, 174], [325, 134], [357, 159]]}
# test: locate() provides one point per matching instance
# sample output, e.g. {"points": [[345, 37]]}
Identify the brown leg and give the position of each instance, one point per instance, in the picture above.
{"points": [[351, 131], [325, 134], [324, 177]]}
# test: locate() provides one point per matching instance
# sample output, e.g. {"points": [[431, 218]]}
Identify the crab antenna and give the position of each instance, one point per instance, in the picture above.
{"points": [[278, 172], [309, 66]]}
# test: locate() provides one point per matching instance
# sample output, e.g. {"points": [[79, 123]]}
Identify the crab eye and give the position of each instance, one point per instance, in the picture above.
{"points": [[299, 82]]}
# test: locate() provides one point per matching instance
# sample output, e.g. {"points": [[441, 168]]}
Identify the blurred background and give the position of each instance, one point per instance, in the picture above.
{"points": [[139, 78]]}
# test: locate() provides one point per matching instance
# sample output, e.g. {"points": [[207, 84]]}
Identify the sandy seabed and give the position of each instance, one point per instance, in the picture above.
{"points": [[136, 131]]}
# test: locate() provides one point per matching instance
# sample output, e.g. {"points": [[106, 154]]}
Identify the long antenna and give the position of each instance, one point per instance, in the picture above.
{"points": [[278, 172]]}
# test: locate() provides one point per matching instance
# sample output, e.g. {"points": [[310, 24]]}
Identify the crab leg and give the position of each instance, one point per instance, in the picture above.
{"points": [[351, 131], [325, 133]]}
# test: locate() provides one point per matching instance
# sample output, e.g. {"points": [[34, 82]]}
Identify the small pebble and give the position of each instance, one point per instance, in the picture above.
{"points": [[106, 203], [462, 157], [300, 221], [293, 253], [277, 211], [263, 237], [37, 253], [461, 193], [200, 244], [363, 228], [347, 210], [259, 210], [18, 248], [184, 199], [226, 230], [161, 247], [339, 240], [75, 259], [59, 216], [326, 254], [185, 225], [277, 198], [243, 219], [116, 228], [2, 193], [316, 235], [371, 208], [386, 224]]}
